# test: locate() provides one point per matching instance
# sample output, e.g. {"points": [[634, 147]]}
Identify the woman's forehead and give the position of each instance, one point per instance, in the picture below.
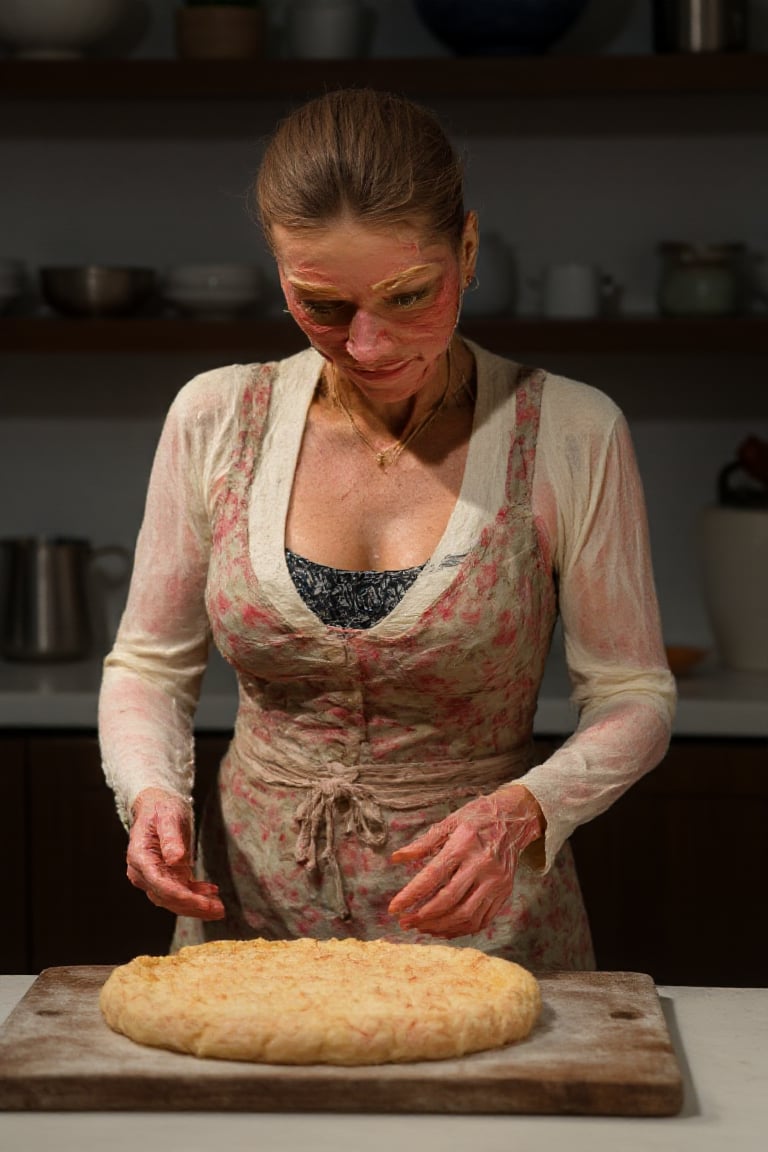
{"points": [[385, 257], [348, 234]]}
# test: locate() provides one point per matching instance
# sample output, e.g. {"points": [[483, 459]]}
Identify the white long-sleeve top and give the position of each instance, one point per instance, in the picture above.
{"points": [[591, 521]]}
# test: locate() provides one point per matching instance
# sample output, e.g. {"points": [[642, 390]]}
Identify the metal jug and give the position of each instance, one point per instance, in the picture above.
{"points": [[48, 590], [700, 25]]}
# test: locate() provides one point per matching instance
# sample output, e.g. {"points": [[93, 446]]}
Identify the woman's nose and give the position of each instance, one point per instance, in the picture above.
{"points": [[368, 337]]}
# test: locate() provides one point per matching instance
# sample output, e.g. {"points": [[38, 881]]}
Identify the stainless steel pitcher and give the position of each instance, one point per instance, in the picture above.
{"points": [[700, 25], [47, 598]]}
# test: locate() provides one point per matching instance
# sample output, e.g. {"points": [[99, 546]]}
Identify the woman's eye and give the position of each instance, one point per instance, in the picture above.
{"points": [[322, 308], [408, 299]]}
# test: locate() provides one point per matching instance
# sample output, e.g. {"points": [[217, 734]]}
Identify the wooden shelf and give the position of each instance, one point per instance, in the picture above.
{"points": [[737, 336], [433, 77]]}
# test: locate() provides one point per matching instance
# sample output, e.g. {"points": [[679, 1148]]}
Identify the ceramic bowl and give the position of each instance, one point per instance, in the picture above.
{"points": [[96, 290], [213, 289], [57, 28], [246, 276]]}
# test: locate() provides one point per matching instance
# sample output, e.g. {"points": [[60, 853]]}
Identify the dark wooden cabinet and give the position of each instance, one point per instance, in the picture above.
{"points": [[673, 874], [13, 856], [84, 910], [62, 842]]}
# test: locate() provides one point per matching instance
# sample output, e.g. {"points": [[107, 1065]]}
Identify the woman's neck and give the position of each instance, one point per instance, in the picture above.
{"points": [[395, 420]]}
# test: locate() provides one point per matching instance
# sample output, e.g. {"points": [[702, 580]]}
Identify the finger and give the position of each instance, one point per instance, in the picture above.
{"points": [[146, 852], [173, 835], [204, 887], [429, 880], [423, 886], [184, 897], [435, 874], [472, 915], [445, 900], [150, 875], [425, 844], [198, 907], [451, 928]]}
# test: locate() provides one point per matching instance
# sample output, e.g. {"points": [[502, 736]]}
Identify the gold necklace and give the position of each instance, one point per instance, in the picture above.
{"points": [[386, 457]]}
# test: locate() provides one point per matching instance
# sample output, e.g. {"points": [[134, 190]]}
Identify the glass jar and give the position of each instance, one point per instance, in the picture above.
{"points": [[701, 281]]}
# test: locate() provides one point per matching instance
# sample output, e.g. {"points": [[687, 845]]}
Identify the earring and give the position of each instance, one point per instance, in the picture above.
{"points": [[471, 283]]}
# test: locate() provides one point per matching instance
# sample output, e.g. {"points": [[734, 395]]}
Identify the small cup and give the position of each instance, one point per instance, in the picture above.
{"points": [[576, 291]]}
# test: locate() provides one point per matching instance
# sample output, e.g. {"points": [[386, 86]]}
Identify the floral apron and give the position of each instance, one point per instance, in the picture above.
{"points": [[349, 743]]}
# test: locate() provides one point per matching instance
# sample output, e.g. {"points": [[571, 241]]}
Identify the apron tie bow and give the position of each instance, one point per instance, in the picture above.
{"points": [[331, 798]]}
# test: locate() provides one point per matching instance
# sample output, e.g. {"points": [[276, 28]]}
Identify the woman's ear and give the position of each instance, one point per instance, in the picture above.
{"points": [[470, 240]]}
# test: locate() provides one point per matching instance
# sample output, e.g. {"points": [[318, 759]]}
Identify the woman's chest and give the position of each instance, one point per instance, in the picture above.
{"points": [[346, 511]]}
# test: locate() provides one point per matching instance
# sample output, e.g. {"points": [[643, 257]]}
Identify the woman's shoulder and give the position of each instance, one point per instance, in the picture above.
{"points": [[216, 395], [577, 405], [213, 391], [571, 403]]}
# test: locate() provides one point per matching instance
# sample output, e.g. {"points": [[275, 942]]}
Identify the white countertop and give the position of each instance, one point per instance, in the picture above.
{"points": [[720, 1036], [713, 701]]}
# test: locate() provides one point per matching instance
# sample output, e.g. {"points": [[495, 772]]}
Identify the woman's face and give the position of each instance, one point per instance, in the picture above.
{"points": [[380, 304]]}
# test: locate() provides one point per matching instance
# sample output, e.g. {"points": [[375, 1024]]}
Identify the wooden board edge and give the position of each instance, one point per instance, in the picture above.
{"points": [[314, 1096]]}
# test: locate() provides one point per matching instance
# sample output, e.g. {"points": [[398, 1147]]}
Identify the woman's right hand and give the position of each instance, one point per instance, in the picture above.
{"points": [[160, 859]]}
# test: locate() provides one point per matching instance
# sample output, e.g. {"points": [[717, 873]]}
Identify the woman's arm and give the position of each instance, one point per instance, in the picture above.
{"points": [[153, 673], [592, 509]]}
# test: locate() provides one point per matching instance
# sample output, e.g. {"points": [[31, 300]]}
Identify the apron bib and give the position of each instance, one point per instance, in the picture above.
{"points": [[350, 743]]}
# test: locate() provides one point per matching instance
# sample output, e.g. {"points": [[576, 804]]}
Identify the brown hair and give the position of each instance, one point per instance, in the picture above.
{"points": [[372, 155]]}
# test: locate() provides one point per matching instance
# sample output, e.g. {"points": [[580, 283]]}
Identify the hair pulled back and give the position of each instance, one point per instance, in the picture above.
{"points": [[374, 156]]}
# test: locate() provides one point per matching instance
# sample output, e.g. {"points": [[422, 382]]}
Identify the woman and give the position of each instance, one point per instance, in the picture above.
{"points": [[378, 534]]}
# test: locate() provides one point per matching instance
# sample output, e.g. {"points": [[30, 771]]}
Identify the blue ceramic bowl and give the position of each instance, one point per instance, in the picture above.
{"points": [[499, 27]]}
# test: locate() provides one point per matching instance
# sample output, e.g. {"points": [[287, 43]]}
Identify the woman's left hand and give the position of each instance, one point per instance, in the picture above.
{"points": [[473, 872]]}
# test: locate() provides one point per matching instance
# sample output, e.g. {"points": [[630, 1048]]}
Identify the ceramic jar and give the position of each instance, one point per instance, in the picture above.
{"points": [[703, 281]]}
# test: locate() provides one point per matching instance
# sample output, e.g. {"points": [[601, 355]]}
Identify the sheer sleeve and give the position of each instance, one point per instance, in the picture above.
{"points": [[152, 676], [590, 506]]}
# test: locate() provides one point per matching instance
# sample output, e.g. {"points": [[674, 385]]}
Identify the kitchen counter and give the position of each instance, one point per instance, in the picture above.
{"points": [[713, 701], [719, 1035]]}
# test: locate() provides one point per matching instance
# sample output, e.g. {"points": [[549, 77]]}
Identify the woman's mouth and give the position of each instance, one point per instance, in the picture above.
{"points": [[379, 371]]}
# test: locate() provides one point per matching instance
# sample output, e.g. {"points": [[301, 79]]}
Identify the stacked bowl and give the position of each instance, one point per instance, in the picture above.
{"points": [[213, 291]]}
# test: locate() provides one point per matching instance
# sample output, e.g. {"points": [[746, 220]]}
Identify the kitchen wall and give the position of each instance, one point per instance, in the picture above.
{"points": [[77, 433]]}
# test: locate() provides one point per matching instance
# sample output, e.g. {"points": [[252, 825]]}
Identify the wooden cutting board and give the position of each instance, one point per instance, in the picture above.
{"points": [[600, 1047]]}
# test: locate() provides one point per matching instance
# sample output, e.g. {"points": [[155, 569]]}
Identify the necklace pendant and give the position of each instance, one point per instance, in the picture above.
{"points": [[381, 460]]}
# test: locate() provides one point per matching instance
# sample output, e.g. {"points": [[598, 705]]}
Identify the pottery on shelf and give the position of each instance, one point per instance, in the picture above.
{"points": [[216, 31], [329, 29], [499, 27], [57, 28]]}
